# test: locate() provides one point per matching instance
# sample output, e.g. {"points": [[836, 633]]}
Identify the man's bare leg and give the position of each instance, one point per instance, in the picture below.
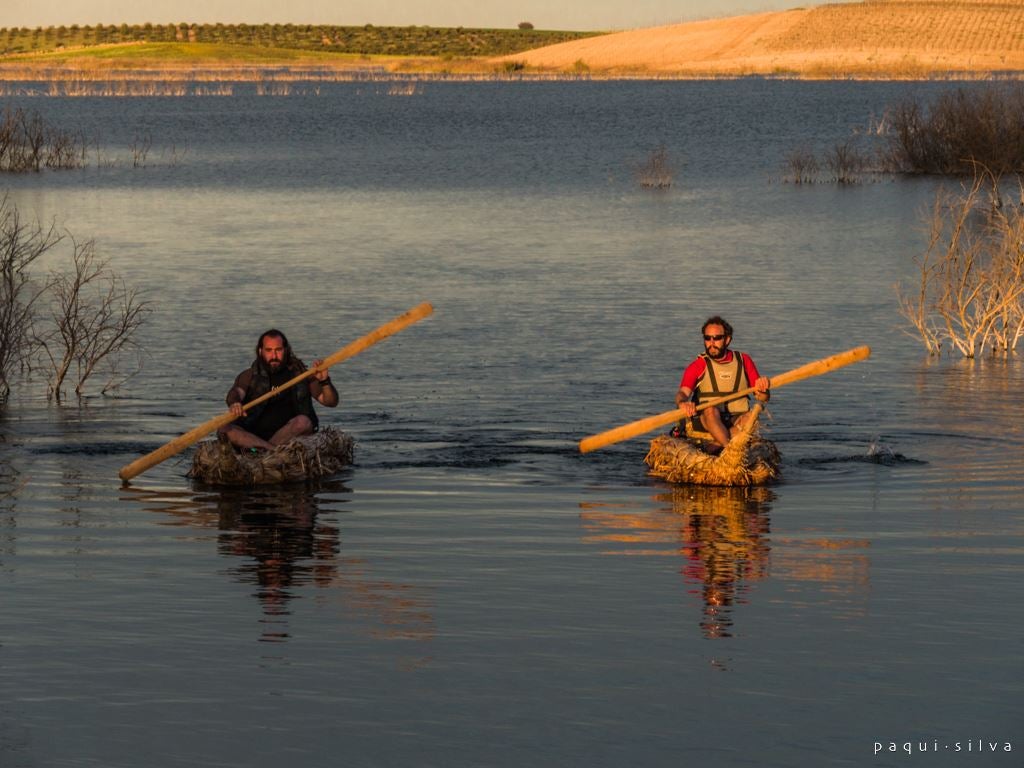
{"points": [[297, 427], [711, 419], [243, 439]]}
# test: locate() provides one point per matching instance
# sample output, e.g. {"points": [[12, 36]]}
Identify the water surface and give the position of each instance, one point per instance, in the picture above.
{"points": [[474, 591]]}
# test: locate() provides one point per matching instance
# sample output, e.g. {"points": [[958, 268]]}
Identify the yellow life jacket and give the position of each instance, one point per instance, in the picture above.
{"points": [[722, 379], [718, 379]]}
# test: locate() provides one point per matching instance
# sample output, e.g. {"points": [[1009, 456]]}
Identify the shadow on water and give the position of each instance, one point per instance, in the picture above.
{"points": [[282, 542], [10, 479]]}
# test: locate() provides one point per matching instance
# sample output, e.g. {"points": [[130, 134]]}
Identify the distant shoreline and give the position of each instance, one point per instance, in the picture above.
{"points": [[53, 80], [53, 72]]}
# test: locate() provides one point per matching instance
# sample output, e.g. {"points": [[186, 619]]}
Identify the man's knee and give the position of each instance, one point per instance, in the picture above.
{"points": [[301, 425], [710, 417]]}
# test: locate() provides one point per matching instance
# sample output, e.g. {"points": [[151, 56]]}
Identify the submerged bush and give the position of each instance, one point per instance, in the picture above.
{"points": [[28, 143], [72, 322], [845, 162], [657, 171], [801, 166], [959, 132], [21, 244], [970, 287]]}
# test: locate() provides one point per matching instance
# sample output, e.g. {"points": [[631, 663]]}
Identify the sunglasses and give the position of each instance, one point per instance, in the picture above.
{"points": [[716, 337]]}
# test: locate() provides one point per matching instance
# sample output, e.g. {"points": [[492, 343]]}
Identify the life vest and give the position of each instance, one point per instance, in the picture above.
{"points": [[721, 379], [259, 385]]}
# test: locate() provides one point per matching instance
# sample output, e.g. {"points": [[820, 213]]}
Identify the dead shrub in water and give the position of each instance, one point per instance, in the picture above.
{"points": [[140, 149], [845, 163], [28, 142], [956, 133], [64, 150], [970, 288], [94, 317], [657, 171], [801, 166], [21, 245], [959, 131]]}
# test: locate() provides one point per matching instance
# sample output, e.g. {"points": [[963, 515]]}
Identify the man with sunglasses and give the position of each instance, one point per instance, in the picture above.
{"points": [[717, 372]]}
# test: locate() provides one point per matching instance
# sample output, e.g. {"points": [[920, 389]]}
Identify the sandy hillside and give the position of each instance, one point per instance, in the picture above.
{"points": [[876, 38]]}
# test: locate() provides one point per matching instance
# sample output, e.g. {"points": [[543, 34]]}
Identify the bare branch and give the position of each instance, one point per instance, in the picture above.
{"points": [[21, 245], [94, 316], [971, 285]]}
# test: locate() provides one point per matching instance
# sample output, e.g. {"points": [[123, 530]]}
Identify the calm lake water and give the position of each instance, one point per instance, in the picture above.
{"points": [[474, 592]]}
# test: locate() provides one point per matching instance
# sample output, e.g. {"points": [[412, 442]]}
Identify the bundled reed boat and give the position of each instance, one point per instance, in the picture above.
{"points": [[748, 459], [218, 462]]}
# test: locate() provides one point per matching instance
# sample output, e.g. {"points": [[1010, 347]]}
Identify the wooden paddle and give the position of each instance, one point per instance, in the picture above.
{"points": [[636, 428], [193, 436]]}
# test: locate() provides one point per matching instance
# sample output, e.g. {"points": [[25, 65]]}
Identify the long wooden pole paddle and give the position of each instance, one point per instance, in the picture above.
{"points": [[195, 435], [637, 428]]}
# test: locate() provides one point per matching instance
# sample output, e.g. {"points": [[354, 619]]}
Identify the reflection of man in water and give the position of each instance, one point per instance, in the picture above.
{"points": [[285, 416], [287, 546], [725, 546], [721, 532]]}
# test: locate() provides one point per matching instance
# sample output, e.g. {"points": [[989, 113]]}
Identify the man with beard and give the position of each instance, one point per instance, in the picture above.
{"points": [[287, 415], [717, 372]]}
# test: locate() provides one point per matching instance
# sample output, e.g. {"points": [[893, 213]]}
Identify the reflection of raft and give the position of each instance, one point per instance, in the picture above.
{"points": [[305, 458], [748, 460]]}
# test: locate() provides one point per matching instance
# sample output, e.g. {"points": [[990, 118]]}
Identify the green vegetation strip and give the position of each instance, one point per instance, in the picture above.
{"points": [[365, 40]]}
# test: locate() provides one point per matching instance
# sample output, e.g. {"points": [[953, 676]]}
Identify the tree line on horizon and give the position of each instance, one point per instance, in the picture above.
{"points": [[365, 40]]}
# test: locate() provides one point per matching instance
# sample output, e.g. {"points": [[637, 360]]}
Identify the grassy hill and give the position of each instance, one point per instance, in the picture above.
{"points": [[876, 38]]}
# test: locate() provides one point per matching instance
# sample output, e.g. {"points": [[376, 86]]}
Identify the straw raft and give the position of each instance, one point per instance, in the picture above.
{"points": [[218, 462], [748, 459]]}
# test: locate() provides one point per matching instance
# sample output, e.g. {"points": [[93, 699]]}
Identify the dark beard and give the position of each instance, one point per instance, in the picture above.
{"points": [[274, 370]]}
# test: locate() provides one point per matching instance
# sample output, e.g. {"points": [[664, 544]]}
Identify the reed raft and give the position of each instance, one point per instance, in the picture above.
{"points": [[748, 459], [217, 462]]}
